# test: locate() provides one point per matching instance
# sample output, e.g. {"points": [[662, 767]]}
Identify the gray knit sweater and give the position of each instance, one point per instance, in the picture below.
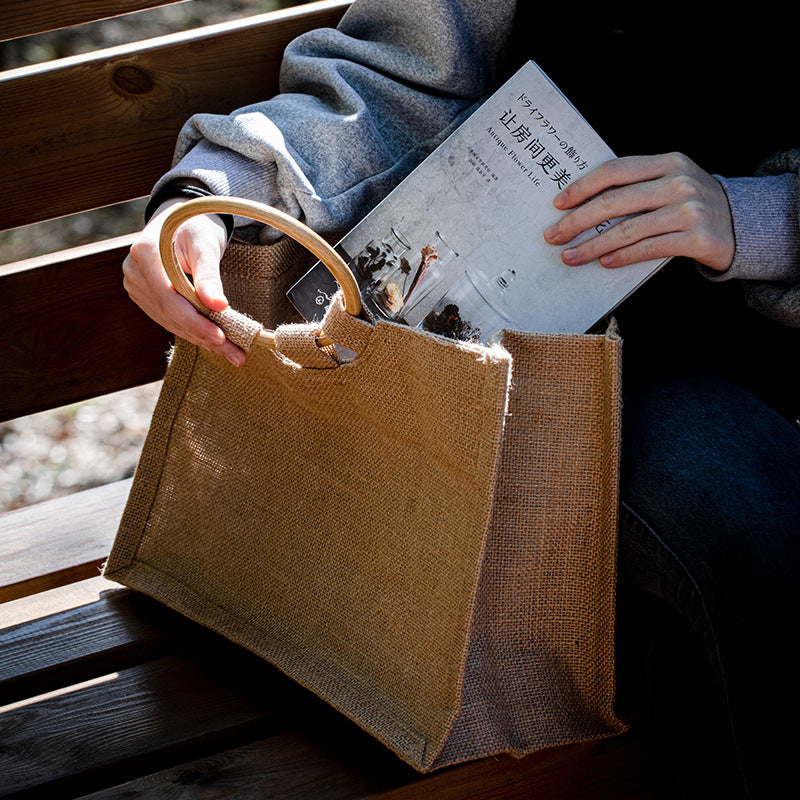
{"points": [[361, 105]]}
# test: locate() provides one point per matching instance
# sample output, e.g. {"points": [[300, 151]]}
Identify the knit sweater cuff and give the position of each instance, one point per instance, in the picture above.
{"points": [[765, 224]]}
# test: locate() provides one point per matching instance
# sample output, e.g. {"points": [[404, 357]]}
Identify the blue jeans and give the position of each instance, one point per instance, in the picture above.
{"points": [[709, 576]]}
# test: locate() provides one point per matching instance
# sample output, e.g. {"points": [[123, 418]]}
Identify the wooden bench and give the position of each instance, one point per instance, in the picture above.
{"points": [[104, 693]]}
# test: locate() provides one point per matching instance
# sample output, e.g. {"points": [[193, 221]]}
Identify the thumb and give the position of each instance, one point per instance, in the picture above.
{"points": [[206, 247], [207, 282]]}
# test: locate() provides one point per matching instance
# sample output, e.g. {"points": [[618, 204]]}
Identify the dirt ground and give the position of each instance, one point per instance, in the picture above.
{"points": [[53, 453]]}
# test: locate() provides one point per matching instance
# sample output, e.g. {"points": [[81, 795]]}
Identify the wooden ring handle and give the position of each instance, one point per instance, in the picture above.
{"points": [[269, 216]]}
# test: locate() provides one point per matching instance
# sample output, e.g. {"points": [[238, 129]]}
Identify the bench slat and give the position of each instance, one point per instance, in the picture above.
{"points": [[58, 541], [206, 697], [120, 629], [293, 767], [605, 770], [38, 16], [126, 724], [79, 641], [53, 601], [202, 695], [116, 135], [150, 715], [288, 766], [71, 332]]}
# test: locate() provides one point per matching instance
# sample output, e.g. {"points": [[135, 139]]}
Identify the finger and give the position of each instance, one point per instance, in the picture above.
{"points": [[200, 244], [612, 204], [207, 281], [188, 324], [155, 295], [617, 172], [197, 329], [624, 234], [659, 247]]}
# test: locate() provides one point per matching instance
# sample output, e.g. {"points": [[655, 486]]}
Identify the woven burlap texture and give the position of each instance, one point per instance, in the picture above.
{"points": [[423, 536]]}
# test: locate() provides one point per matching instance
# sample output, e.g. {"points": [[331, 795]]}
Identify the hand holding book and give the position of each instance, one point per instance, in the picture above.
{"points": [[672, 208], [488, 191]]}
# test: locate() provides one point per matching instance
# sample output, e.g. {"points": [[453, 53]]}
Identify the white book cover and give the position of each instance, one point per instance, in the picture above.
{"points": [[458, 248]]}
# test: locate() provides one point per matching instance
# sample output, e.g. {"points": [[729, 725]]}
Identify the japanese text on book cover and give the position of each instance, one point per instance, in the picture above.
{"points": [[457, 248]]}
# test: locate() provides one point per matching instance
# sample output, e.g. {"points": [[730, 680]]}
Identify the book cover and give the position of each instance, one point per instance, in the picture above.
{"points": [[458, 249]]}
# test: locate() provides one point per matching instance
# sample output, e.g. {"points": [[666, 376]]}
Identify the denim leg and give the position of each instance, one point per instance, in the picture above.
{"points": [[710, 535]]}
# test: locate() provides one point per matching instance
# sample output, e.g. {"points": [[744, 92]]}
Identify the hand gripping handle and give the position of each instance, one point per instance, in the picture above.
{"points": [[269, 216]]}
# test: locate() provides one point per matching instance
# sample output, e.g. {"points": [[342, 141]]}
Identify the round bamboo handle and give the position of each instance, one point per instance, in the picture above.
{"points": [[269, 216]]}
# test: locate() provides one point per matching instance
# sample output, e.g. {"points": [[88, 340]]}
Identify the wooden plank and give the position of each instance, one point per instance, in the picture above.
{"points": [[106, 123], [62, 598], [58, 541], [126, 724], [613, 769], [119, 629], [37, 16], [324, 756], [71, 331], [105, 719], [288, 766]]}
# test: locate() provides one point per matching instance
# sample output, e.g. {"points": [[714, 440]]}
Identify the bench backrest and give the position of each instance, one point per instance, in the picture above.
{"points": [[93, 130], [97, 129]]}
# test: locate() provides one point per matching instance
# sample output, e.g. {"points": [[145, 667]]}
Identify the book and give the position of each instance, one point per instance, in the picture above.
{"points": [[457, 248]]}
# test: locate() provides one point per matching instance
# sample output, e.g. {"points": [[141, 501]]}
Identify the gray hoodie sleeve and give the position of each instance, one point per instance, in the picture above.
{"points": [[358, 108], [766, 223]]}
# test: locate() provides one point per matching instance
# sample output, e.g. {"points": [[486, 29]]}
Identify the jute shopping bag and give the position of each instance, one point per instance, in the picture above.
{"points": [[422, 533]]}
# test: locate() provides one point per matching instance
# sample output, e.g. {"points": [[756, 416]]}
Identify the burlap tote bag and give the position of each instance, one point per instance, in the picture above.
{"points": [[422, 534]]}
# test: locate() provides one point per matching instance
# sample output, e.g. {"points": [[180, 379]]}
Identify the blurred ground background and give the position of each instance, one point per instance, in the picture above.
{"points": [[92, 443]]}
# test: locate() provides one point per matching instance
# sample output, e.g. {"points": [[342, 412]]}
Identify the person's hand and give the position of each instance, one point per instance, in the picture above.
{"points": [[199, 244], [678, 210]]}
